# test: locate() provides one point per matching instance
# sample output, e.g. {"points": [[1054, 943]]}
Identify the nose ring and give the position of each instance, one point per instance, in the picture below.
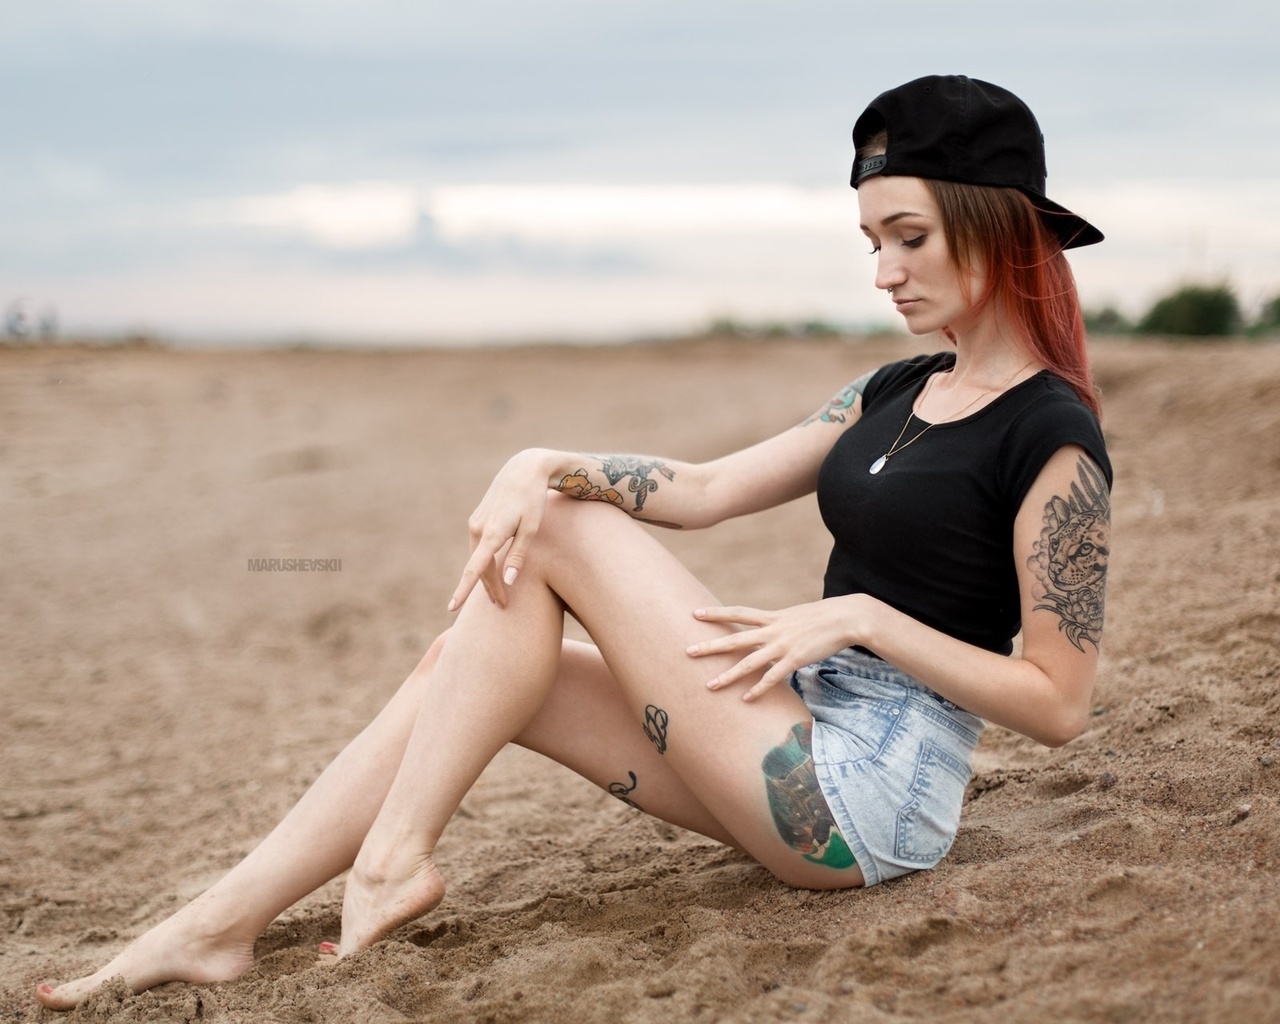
{"points": [[890, 291]]}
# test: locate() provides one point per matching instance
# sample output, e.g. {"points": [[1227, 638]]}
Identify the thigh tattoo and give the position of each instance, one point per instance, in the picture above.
{"points": [[800, 811]]}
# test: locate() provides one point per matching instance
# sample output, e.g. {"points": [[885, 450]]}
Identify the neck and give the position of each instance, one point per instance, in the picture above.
{"points": [[988, 352]]}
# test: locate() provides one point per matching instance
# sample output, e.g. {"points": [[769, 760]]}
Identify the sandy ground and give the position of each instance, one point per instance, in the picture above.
{"points": [[163, 705]]}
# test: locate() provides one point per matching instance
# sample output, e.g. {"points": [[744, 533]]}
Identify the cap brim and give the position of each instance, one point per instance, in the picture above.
{"points": [[1071, 230]]}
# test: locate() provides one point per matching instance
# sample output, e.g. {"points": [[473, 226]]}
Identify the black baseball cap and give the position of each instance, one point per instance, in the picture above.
{"points": [[954, 128]]}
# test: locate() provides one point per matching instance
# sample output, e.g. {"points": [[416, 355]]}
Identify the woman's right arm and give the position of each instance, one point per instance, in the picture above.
{"points": [[658, 491]]}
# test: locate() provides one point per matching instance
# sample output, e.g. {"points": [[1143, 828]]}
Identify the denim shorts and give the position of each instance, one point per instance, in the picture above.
{"points": [[892, 758]]}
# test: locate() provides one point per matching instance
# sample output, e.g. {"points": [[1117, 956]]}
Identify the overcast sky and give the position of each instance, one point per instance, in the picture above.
{"points": [[393, 170]]}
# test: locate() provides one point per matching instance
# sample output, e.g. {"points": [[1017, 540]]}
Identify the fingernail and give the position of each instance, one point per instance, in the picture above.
{"points": [[691, 649], [509, 577], [328, 947], [699, 612], [453, 604]]}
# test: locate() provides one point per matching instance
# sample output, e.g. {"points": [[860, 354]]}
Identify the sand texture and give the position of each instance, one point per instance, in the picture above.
{"points": [[163, 706]]}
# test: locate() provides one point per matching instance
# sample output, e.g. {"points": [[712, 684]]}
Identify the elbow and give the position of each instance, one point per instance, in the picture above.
{"points": [[1064, 728]]}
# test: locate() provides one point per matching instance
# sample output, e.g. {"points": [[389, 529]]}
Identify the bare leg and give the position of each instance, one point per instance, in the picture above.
{"points": [[211, 939], [513, 679], [495, 674], [584, 723]]}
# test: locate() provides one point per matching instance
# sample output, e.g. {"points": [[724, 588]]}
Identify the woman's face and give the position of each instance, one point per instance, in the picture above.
{"points": [[903, 222]]}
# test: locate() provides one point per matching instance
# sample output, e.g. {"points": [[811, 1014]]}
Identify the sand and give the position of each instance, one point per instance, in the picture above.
{"points": [[164, 705]]}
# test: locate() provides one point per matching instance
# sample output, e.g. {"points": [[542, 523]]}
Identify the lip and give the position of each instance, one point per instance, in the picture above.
{"points": [[902, 304]]}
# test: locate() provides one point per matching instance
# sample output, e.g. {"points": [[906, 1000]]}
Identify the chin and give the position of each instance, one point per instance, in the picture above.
{"points": [[921, 327]]}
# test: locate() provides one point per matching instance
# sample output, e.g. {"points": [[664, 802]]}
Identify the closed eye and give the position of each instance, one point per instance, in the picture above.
{"points": [[914, 243]]}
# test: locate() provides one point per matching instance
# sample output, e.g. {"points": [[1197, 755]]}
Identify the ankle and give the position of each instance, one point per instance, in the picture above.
{"points": [[394, 865]]}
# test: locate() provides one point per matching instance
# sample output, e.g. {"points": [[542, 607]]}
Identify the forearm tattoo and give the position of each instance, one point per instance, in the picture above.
{"points": [[1070, 558], [635, 471], [834, 411], [623, 792], [800, 811], [641, 475]]}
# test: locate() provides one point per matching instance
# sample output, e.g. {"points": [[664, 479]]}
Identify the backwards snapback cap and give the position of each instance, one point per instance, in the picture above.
{"points": [[953, 128]]}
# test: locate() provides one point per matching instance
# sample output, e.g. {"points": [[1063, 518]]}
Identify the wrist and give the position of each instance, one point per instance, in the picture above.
{"points": [[554, 466], [863, 618]]}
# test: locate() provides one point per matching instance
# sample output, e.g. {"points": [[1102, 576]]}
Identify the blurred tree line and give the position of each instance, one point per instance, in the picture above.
{"points": [[1192, 310]]}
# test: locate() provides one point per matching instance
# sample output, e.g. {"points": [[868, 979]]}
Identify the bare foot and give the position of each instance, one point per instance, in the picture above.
{"points": [[376, 903], [182, 948]]}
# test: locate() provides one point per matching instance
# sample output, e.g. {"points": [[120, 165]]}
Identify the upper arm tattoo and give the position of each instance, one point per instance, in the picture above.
{"points": [[639, 472], [1070, 558], [834, 411]]}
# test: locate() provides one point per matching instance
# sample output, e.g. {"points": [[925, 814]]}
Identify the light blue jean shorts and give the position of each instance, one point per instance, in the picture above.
{"points": [[892, 758]]}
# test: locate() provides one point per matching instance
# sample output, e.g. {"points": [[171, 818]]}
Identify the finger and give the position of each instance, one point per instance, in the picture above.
{"points": [[755, 662], [742, 640], [493, 584], [734, 613], [514, 562], [776, 674], [481, 558]]}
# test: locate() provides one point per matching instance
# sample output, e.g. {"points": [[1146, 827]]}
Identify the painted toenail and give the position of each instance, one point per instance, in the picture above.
{"points": [[46, 990], [328, 947]]}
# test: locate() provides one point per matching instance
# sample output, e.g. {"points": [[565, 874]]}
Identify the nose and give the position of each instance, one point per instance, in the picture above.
{"points": [[890, 272]]}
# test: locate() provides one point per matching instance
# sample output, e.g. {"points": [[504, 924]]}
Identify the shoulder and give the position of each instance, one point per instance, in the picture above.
{"points": [[1048, 417]]}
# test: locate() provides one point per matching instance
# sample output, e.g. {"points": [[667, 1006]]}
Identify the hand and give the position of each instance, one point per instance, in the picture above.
{"points": [[503, 526], [778, 642]]}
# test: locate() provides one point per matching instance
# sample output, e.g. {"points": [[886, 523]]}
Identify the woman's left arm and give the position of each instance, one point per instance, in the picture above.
{"points": [[1061, 543]]}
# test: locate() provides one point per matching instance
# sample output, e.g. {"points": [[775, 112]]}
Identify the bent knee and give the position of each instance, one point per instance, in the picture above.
{"points": [[429, 659], [575, 522]]}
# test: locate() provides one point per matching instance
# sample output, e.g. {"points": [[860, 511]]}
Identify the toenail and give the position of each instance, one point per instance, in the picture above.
{"points": [[328, 947], [46, 990]]}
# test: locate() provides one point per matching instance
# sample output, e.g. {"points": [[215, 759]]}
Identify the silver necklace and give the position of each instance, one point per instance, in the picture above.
{"points": [[895, 447]]}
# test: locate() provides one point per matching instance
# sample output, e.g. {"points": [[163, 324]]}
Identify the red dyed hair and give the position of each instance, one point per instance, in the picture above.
{"points": [[999, 231]]}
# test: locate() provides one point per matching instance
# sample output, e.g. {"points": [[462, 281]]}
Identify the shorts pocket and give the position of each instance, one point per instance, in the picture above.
{"points": [[867, 724], [927, 823]]}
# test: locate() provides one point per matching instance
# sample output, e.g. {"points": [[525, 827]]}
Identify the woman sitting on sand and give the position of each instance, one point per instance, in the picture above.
{"points": [[967, 494]]}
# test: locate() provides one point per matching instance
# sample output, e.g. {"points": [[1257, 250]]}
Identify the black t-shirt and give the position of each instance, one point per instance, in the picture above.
{"points": [[932, 533]]}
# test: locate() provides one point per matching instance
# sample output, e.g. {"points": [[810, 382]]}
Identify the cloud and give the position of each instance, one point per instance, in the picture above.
{"points": [[369, 215], [382, 215], [593, 210]]}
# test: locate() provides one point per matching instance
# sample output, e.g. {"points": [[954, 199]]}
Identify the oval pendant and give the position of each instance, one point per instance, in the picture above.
{"points": [[878, 464]]}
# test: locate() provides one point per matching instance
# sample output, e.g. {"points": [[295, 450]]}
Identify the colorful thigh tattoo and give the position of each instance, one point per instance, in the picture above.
{"points": [[799, 810]]}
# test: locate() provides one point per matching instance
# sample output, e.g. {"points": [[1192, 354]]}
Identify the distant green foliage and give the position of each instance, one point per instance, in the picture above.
{"points": [[1107, 320], [1268, 321], [1200, 310], [728, 327]]}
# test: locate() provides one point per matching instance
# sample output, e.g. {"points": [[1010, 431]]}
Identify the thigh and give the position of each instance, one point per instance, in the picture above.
{"points": [[587, 725], [747, 764]]}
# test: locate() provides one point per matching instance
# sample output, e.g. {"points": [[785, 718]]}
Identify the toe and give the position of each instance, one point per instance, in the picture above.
{"points": [[61, 998]]}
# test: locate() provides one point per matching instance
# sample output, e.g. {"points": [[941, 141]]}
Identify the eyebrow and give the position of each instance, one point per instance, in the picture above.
{"points": [[895, 217]]}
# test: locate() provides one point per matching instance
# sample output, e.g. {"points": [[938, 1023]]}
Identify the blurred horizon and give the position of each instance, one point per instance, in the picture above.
{"points": [[405, 173]]}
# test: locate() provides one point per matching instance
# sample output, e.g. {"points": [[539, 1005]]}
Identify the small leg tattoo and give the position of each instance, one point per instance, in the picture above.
{"points": [[655, 727], [623, 792], [800, 812]]}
